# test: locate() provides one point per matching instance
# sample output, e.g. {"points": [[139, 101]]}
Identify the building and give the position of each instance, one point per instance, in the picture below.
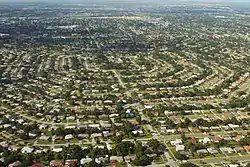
{"points": [[180, 148], [176, 142], [27, 150]]}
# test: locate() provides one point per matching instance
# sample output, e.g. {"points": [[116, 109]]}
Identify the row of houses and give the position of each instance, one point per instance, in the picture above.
{"points": [[224, 150], [164, 129]]}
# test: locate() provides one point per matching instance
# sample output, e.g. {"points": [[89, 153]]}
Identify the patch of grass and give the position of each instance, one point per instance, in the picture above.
{"points": [[121, 164], [74, 140], [158, 160], [206, 165], [44, 142], [60, 142], [243, 153]]}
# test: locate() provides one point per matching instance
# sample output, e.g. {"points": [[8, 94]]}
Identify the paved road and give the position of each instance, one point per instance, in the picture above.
{"points": [[86, 63], [63, 144], [119, 78], [171, 162], [215, 160], [45, 122]]}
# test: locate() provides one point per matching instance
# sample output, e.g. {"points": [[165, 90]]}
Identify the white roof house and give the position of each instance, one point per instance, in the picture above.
{"points": [[113, 115], [109, 147], [85, 160], [94, 125], [94, 135], [205, 140], [70, 118], [108, 101], [180, 148], [27, 150], [233, 126], [69, 137], [226, 150], [44, 138], [176, 142], [137, 132], [57, 150], [233, 165], [116, 158], [202, 151], [212, 150], [148, 106], [170, 130], [100, 147], [70, 127], [83, 135]]}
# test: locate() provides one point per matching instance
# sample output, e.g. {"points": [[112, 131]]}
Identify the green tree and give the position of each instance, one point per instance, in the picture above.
{"points": [[248, 165], [124, 149], [93, 154], [179, 156], [138, 150], [93, 164], [138, 119]]}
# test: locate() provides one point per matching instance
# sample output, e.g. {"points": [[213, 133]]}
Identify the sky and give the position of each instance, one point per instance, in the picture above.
{"points": [[124, 0], [146, 1]]}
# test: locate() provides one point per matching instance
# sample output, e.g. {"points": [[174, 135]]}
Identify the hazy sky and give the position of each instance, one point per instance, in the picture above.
{"points": [[125, 0], [152, 1]]}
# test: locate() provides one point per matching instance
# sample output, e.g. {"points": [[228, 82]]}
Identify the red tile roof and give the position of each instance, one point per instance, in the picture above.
{"points": [[192, 141], [247, 148], [194, 129], [37, 165], [59, 137], [70, 162], [57, 163], [217, 139]]}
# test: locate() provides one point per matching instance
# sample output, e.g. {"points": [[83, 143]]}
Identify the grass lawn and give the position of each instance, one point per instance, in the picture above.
{"points": [[121, 164], [244, 153], [196, 156], [233, 154], [74, 140], [206, 165], [48, 132], [148, 135], [233, 143], [172, 150], [164, 158], [44, 142], [64, 121], [72, 121], [60, 142], [219, 155], [158, 160], [45, 162]]}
